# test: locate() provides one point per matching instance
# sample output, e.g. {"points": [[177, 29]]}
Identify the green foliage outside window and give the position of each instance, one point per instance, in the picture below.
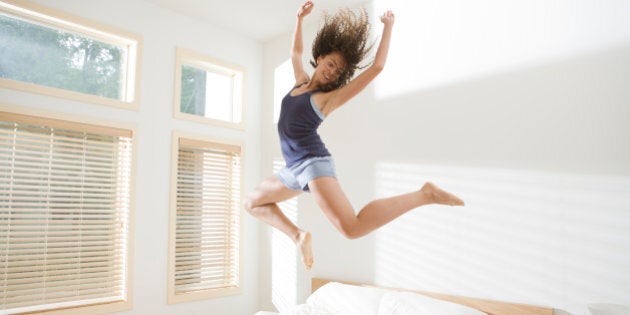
{"points": [[47, 56], [193, 94]]}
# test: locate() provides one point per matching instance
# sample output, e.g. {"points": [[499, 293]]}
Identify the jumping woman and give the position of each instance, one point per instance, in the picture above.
{"points": [[338, 49]]}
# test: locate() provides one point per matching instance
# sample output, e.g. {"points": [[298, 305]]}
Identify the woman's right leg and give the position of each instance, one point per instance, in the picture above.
{"points": [[332, 200], [262, 203]]}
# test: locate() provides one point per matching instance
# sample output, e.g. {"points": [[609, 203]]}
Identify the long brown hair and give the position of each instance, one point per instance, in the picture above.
{"points": [[345, 32]]}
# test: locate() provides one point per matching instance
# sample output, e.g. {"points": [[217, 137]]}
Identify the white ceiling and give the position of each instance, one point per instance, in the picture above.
{"points": [[259, 20]]}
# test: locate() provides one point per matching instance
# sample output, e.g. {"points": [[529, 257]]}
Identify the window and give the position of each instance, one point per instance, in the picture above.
{"points": [[204, 237], [283, 81], [208, 91], [284, 257], [43, 51], [64, 215]]}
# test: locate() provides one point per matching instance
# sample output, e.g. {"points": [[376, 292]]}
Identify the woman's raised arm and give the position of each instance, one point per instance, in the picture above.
{"points": [[298, 47], [338, 97]]}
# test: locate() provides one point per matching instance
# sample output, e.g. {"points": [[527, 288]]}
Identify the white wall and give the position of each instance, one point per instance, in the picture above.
{"points": [[162, 31], [521, 108]]}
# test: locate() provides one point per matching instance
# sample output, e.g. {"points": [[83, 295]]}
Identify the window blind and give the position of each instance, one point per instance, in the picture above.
{"points": [[208, 218], [64, 211]]}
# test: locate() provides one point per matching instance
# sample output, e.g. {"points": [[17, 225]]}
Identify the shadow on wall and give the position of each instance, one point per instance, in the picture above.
{"points": [[538, 238], [566, 116]]}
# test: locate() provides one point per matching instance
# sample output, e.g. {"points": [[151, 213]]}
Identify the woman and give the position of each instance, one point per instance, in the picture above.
{"points": [[338, 49]]}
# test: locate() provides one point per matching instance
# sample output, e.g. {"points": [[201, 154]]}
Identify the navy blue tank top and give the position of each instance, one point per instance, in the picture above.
{"points": [[297, 127]]}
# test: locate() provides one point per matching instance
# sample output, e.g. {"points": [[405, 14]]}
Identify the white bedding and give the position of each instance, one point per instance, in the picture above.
{"points": [[340, 299]]}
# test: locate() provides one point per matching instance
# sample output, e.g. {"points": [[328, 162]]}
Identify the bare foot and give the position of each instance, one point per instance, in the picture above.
{"points": [[304, 246], [439, 196]]}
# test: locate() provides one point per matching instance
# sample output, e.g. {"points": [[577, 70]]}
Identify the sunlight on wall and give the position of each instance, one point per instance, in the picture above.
{"points": [[284, 257], [441, 42], [283, 81], [528, 237]]}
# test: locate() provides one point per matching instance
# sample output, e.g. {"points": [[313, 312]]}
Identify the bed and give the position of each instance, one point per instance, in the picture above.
{"points": [[330, 297]]}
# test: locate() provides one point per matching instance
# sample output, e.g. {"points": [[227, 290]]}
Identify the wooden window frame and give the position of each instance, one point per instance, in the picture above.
{"points": [[203, 62], [22, 115], [236, 209], [39, 14]]}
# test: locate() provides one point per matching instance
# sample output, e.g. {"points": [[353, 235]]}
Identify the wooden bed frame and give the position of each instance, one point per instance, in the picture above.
{"points": [[486, 306]]}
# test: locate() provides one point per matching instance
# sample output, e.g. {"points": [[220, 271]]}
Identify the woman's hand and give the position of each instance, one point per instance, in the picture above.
{"points": [[388, 18], [305, 9]]}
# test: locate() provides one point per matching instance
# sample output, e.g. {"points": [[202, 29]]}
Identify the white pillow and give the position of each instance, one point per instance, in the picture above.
{"points": [[406, 303], [343, 299]]}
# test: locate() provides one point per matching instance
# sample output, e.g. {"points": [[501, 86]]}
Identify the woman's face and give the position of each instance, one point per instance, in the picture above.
{"points": [[330, 67]]}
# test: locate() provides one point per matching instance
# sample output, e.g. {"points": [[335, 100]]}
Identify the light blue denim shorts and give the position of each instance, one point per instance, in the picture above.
{"points": [[298, 176]]}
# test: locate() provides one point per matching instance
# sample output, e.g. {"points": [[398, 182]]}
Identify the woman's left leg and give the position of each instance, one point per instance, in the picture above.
{"points": [[333, 201], [262, 203]]}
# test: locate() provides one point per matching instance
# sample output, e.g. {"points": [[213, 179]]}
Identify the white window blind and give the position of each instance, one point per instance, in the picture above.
{"points": [[207, 233], [64, 211]]}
